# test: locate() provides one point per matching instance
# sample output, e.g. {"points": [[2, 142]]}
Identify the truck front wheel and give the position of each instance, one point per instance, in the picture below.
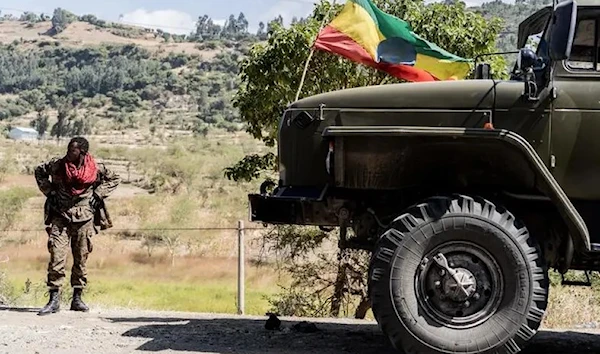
{"points": [[458, 275]]}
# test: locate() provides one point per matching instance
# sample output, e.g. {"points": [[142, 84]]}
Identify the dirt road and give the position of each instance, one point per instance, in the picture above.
{"points": [[127, 331]]}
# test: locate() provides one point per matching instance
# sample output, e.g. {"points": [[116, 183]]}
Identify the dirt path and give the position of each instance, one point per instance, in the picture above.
{"points": [[128, 331]]}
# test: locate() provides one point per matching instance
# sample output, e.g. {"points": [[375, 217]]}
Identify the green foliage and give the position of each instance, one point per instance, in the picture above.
{"points": [[459, 31], [115, 28], [250, 167], [30, 17], [226, 62], [85, 72], [13, 108], [62, 126], [234, 28], [13, 200], [128, 100], [316, 275], [126, 75], [35, 98], [41, 123], [61, 19], [177, 60], [81, 126], [206, 29]]}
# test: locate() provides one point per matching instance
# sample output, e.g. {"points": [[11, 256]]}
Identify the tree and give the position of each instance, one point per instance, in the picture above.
{"points": [[28, 16], [61, 19], [276, 23], [36, 98], [261, 34], [200, 28], [62, 126], [230, 29], [242, 23], [81, 126], [206, 29], [40, 123], [270, 76]]}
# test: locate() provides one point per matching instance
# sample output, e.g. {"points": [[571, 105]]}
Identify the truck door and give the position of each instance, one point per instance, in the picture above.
{"points": [[575, 123]]}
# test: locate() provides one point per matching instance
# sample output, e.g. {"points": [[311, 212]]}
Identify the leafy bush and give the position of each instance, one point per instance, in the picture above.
{"points": [[7, 291], [177, 60], [61, 19], [31, 17], [13, 200], [12, 108], [126, 99]]}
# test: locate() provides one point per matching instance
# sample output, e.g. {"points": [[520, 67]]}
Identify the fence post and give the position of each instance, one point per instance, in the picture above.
{"points": [[241, 262]]}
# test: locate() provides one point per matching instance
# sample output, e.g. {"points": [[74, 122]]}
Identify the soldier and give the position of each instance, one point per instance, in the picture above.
{"points": [[74, 207]]}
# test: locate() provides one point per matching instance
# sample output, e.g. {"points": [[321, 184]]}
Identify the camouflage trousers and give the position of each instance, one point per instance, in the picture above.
{"points": [[79, 236]]}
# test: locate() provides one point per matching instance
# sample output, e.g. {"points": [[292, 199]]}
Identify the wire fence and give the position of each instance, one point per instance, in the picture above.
{"points": [[235, 246], [150, 229]]}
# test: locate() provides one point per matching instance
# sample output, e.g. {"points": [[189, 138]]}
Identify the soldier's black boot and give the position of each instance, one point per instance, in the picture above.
{"points": [[77, 304], [53, 304]]}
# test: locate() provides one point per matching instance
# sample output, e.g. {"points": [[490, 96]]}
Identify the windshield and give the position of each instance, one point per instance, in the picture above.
{"points": [[533, 41]]}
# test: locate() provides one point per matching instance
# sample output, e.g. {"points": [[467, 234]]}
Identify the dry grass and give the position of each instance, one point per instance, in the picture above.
{"points": [[121, 274], [80, 34], [569, 306], [124, 269]]}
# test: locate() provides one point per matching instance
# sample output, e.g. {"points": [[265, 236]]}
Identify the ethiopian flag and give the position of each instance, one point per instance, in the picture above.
{"points": [[365, 34]]}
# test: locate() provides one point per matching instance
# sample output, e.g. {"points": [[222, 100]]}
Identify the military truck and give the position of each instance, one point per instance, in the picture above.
{"points": [[467, 192]]}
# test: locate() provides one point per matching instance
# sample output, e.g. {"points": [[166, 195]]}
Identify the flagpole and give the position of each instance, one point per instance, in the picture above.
{"points": [[312, 50]]}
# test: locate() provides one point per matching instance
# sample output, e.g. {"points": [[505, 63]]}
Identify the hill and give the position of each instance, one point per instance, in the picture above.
{"points": [[512, 14], [71, 74], [80, 33]]}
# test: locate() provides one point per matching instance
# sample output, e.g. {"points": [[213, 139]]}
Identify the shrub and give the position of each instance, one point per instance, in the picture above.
{"points": [[13, 200]]}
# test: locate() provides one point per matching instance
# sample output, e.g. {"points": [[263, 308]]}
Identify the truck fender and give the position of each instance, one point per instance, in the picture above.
{"points": [[544, 179]]}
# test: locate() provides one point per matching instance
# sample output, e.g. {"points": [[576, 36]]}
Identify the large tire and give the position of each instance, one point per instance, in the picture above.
{"points": [[512, 279]]}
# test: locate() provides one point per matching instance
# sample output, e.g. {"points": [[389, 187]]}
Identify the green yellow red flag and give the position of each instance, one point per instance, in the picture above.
{"points": [[365, 34]]}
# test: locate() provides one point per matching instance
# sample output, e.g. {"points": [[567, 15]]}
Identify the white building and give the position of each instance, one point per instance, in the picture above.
{"points": [[22, 133]]}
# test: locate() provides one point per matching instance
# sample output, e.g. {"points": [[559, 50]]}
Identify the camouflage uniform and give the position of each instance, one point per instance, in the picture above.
{"points": [[72, 219]]}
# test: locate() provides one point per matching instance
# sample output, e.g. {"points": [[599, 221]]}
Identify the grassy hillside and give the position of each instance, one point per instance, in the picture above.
{"points": [[80, 34]]}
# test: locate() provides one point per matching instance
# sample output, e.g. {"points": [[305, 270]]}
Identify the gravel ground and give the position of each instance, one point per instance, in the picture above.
{"points": [[128, 331]]}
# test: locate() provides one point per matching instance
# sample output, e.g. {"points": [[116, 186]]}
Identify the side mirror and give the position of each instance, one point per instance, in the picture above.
{"points": [[562, 30]]}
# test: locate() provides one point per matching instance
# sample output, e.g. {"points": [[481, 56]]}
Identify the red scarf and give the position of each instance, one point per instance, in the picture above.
{"points": [[81, 179]]}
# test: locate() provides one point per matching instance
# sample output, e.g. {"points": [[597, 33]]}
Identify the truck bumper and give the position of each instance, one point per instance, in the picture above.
{"points": [[291, 209], [275, 210]]}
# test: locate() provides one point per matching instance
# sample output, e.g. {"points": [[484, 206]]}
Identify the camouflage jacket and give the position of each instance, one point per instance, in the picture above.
{"points": [[78, 208]]}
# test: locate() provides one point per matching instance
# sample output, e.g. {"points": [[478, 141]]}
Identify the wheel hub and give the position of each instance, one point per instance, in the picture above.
{"points": [[461, 287], [459, 284]]}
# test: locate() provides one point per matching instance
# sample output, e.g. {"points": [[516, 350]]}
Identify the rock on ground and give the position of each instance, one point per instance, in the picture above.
{"points": [[132, 331]]}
